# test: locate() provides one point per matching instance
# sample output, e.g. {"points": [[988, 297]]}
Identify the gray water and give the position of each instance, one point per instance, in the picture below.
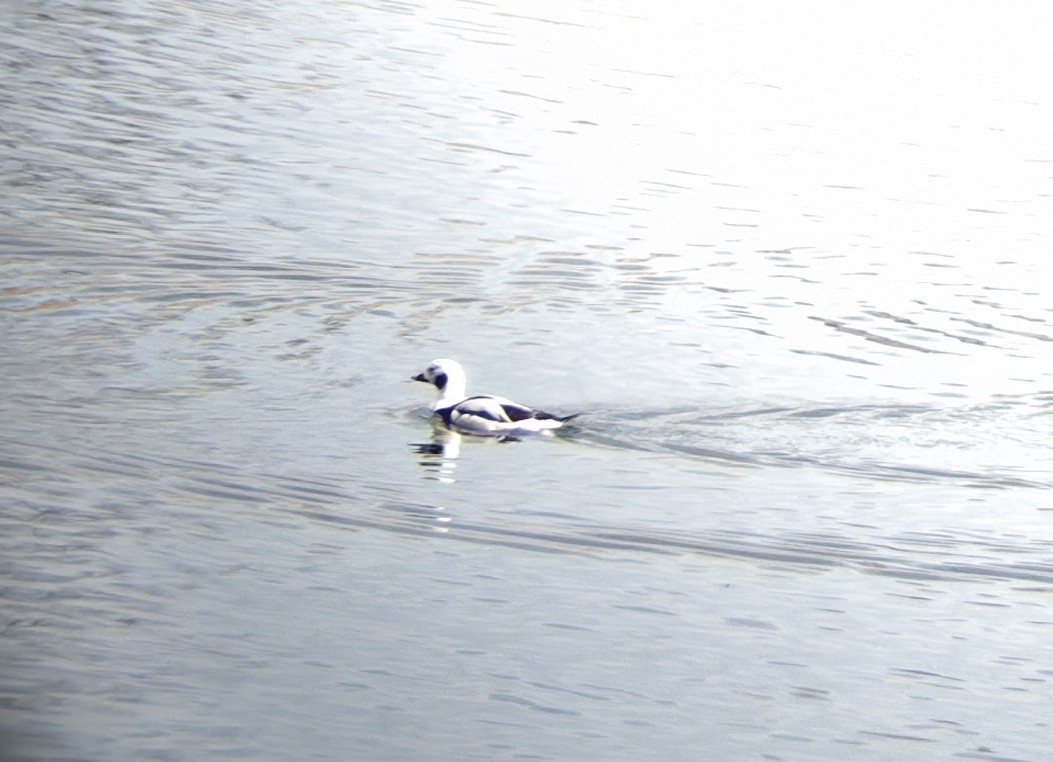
{"points": [[789, 261]]}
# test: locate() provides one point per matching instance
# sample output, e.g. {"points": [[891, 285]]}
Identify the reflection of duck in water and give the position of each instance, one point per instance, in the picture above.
{"points": [[439, 456], [482, 415]]}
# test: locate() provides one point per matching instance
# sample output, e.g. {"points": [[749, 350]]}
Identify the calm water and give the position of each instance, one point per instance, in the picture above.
{"points": [[790, 262]]}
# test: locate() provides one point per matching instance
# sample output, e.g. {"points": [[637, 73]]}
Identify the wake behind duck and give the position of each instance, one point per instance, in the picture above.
{"points": [[484, 414]]}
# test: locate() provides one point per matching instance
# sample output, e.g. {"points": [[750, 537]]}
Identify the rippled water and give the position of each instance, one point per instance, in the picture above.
{"points": [[789, 263]]}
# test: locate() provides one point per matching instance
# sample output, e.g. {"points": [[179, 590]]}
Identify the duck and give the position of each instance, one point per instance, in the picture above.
{"points": [[484, 414]]}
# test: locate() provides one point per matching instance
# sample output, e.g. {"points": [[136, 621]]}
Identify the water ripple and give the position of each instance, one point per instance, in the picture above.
{"points": [[912, 555], [982, 446]]}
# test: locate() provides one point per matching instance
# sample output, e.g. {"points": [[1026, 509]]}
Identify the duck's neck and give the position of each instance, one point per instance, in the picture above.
{"points": [[450, 394]]}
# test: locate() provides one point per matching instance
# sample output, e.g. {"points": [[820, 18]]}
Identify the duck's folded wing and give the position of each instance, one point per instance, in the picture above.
{"points": [[497, 409]]}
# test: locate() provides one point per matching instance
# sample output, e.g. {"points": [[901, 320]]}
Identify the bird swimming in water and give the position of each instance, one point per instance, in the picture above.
{"points": [[484, 414]]}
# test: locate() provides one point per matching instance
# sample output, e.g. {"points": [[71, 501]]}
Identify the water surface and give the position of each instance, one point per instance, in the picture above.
{"points": [[789, 263]]}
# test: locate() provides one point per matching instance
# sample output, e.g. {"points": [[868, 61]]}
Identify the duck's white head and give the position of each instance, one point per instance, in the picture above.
{"points": [[448, 378]]}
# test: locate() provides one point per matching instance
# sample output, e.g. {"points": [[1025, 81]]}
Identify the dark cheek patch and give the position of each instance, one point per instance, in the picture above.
{"points": [[440, 380]]}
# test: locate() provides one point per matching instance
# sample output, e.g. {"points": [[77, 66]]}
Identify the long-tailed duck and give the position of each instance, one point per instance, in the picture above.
{"points": [[483, 415]]}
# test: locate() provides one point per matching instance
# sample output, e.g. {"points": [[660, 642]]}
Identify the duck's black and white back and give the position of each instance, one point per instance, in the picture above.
{"points": [[484, 415]]}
